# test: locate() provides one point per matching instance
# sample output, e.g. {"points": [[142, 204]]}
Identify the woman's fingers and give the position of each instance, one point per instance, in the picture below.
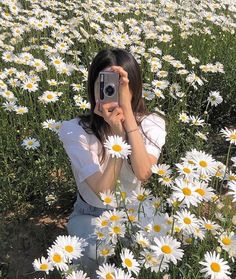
{"points": [[120, 70]]}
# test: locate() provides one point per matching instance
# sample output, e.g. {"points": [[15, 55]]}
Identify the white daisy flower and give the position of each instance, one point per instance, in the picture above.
{"points": [[120, 274], [186, 169], [183, 117], [229, 134], [117, 147], [166, 180], [106, 271], [228, 242], [108, 198], [71, 246], [84, 105], [142, 240], [206, 193], [30, 143], [115, 215], [187, 221], [232, 187], [140, 194], [169, 248], [129, 262], [204, 163], [29, 85], [116, 230], [105, 250], [57, 257], [49, 97], [184, 191], [160, 225], [161, 169], [42, 264], [215, 98], [156, 263], [215, 267], [21, 109], [77, 275], [209, 225]]}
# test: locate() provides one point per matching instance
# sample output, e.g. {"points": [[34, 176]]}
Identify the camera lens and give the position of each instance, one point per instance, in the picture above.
{"points": [[109, 90]]}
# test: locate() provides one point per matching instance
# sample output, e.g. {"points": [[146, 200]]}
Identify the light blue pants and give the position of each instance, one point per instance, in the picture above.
{"points": [[81, 224]]}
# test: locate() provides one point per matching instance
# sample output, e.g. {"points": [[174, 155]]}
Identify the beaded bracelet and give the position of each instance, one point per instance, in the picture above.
{"points": [[132, 130]]}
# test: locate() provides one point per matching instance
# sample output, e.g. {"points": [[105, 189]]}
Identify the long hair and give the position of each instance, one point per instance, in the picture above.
{"points": [[95, 124]]}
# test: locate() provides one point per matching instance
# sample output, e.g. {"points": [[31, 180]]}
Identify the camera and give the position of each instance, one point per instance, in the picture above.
{"points": [[108, 86]]}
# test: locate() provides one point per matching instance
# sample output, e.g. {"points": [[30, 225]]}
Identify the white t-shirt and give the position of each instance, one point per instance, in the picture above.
{"points": [[83, 149]]}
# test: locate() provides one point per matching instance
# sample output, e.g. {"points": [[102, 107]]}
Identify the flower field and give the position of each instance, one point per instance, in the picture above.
{"points": [[181, 224]]}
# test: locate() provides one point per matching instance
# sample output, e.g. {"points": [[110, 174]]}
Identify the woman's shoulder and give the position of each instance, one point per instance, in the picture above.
{"points": [[153, 119], [71, 129]]}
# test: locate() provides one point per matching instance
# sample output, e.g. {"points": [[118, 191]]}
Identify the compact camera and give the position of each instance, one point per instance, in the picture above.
{"points": [[108, 87]]}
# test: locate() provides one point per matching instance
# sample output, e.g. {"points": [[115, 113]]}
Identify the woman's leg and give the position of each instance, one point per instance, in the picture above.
{"points": [[81, 225]]}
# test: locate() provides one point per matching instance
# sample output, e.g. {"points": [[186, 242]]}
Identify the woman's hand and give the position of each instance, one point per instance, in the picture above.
{"points": [[125, 95], [113, 115]]}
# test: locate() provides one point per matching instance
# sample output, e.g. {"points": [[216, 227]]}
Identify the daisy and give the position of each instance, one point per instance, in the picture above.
{"points": [[156, 263], [204, 163], [71, 246], [142, 240], [84, 105], [161, 169], [183, 117], [77, 275], [160, 225], [196, 121], [184, 192], [57, 61], [120, 274], [215, 98], [140, 194], [166, 180], [21, 109], [215, 267], [229, 134], [29, 85], [186, 169], [48, 97], [108, 198], [30, 143], [106, 271], [199, 233], [105, 250], [232, 188], [201, 135], [209, 225], [9, 106], [101, 222], [117, 147], [56, 256], [169, 248], [129, 262], [187, 221], [228, 242], [42, 265], [116, 230], [115, 215], [206, 193]]}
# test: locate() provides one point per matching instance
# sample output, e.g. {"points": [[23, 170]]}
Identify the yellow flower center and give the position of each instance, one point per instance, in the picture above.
{"points": [[30, 142], [69, 248], [116, 148], [200, 191], [141, 197], [43, 266], [123, 195], [49, 96], [215, 267], [104, 223], [29, 85], [57, 61], [157, 228], [208, 226], [132, 218], [203, 164], [107, 200], [57, 258], [233, 136], [114, 218], [161, 172], [226, 241], [100, 235], [109, 276], [128, 262], [105, 252], [187, 220], [186, 170], [166, 179], [186, 191], [117, 230], [166, 249], [191, 162]]}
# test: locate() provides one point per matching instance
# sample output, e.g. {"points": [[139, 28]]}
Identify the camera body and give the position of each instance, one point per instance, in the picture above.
{"points": [[108, 87]]}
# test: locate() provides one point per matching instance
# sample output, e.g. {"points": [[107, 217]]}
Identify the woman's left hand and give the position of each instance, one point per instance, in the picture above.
{"points": [[125, 95]]}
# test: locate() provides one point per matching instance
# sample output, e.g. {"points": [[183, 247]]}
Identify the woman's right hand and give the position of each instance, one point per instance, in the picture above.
{"points": [[113, 115]]}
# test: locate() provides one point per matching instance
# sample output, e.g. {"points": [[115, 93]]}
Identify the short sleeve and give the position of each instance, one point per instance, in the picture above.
{"points": [[154, 128], [76, 144]]}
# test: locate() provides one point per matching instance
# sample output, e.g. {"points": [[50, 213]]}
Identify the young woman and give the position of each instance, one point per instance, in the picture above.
{"points": [[83, 137]]}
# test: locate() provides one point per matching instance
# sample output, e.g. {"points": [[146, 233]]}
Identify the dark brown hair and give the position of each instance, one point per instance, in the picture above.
{"points": [[95, 124]]}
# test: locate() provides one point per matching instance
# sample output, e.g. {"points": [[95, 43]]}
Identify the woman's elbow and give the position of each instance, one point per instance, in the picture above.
{"points": [[144, 175]]}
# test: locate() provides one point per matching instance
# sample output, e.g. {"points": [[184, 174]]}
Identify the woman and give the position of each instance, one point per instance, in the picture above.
{"points": [[83, 138]]}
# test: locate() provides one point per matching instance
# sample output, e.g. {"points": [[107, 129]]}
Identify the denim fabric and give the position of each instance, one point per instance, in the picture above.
{"points": [[81, 224]]}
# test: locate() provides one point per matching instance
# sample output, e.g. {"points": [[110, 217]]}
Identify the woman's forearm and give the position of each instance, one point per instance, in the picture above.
{"points": [[139, 157], [100, 182]]}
